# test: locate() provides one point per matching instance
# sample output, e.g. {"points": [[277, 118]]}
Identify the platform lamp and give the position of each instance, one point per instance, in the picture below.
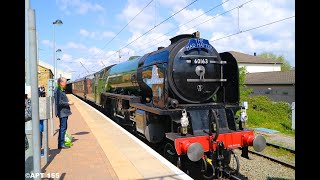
{"points": [[57, 22], [58, 51]]}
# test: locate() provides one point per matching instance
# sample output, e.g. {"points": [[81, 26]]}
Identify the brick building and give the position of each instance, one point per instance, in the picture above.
{"points": [[43, 75]]}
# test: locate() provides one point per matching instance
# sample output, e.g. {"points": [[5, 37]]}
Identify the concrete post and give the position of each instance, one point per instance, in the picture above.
{"points": [[28, 125], [45, 140], [293, 115], [27, 6], [34, 93], [50, 88]]}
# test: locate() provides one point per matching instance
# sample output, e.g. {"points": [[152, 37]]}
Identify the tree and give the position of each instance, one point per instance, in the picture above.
{"points": [[285, 64], [244, 91]]}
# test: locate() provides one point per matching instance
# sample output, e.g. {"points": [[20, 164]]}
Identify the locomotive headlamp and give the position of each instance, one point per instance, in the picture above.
{"points": [[184, 122]]}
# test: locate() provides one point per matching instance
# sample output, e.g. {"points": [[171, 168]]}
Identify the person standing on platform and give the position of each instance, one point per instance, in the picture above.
{"points": [[43, 91], [62, 110]]}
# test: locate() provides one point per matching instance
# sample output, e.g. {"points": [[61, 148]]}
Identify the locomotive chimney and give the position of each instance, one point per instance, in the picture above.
{"points": [[160, 47], [197, 34], [255, 54]]}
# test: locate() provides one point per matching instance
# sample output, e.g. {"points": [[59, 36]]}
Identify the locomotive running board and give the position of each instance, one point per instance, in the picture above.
{"points": [[154, 110], [135, 102], [206, 80], [133, 99]]}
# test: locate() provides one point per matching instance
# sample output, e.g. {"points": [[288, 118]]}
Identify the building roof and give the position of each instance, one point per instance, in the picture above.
{"points": [[249, 59], [49, 66], [273, 77], [45, 68]]}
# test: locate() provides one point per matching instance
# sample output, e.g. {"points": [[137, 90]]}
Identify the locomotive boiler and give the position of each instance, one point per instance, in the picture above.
{"points": [[184, 98]]}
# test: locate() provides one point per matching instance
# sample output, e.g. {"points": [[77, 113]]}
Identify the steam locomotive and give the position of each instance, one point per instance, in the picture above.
{"points": [[184, 98]]}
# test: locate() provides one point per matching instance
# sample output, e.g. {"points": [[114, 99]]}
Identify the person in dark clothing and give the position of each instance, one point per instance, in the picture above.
{"points": [[43, 93], [62, 110], [27, 115], [39, 91]]}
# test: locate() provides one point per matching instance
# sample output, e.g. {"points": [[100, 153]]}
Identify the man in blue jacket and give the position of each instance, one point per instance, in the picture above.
{"points": [[62, 110]]}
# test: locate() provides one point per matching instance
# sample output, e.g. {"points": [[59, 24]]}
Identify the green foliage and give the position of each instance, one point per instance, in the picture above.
{"points": [[284, 67], [263, 112], [242, 76], [244, 91]]}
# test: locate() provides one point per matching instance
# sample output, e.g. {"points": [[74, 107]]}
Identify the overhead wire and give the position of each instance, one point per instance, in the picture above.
{"points": [[187, 22], [214, 17], [250, 29], [125, 26], [153, 28]]}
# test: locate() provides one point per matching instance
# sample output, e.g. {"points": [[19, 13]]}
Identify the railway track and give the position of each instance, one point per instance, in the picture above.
{"points": [[281, 147], [292, 166]]}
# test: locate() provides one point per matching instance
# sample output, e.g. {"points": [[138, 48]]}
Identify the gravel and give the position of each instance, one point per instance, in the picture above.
{"points": [[281, 139], [260, 168]]}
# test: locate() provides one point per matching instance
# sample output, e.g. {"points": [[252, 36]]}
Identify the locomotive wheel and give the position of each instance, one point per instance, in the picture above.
{"points": [[169, 152], [234, 164]]}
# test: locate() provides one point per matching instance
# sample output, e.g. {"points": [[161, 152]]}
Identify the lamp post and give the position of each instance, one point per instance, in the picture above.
{"points": [[58, 21], [58, 59], [56, 63]]}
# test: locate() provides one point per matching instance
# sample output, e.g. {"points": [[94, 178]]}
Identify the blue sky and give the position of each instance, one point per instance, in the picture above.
{"points": [[89, 25]]}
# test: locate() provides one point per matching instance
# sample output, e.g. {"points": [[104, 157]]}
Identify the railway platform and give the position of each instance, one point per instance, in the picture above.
{"points": [[103, 150]]}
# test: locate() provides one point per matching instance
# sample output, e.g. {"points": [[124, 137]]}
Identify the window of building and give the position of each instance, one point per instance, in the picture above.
{"points": [[285, 93], [267, 92]]}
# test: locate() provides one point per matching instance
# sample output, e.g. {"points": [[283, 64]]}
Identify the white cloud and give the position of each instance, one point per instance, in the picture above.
{"points": [[277, 38], [95, 51], [96, 34], [174, 4], [66, 57], [73, 45], [78, 6], [47, 43], [108, 34], [145, 20], [86, 33]]}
